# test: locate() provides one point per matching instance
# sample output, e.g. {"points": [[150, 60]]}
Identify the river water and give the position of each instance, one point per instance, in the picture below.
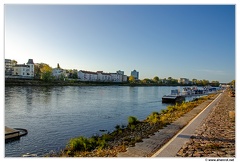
{"points": [[53, 115]]}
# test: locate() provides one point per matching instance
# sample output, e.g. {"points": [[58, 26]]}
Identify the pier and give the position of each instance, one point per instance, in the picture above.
{"points": [[14, 133]]}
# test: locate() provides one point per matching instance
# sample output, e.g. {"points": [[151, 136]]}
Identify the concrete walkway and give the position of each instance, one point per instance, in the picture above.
{"points": [[152, 145], [171, 148]]}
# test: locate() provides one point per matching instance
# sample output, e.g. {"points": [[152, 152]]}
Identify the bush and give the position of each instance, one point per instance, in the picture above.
{"points": [[107, 137], [117, 127], [84, 144], [153, 117], [79, 143], [132, 120]]}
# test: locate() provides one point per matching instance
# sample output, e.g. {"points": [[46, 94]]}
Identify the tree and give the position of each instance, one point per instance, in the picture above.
{"points": [[194, 81], [164, 81], [156, 79], [131, 79], [37, 71], [205, 82], [46, 72], [146, 81], [215, 83], [232, 83], [199, 82], [174, 81]]}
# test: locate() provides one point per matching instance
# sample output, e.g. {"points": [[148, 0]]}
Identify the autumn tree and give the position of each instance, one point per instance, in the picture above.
{"points": [[46, 71], [131, 79]]}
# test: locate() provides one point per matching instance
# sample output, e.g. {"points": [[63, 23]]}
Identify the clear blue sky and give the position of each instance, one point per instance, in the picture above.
{"points": [[156, 40]]}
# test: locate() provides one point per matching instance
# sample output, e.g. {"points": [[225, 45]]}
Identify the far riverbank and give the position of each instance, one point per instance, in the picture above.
{"points": [[38, 82]]}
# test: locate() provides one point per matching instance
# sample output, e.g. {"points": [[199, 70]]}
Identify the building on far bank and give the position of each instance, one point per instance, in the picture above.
{"points": [[100, 76], [24, 70], [87, 75], [135, 74], [8, 67], [183, 81], [58, 72]]}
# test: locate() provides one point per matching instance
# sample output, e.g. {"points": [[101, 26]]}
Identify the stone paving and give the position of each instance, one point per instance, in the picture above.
{"points": [[150, 145], [216, 135]]}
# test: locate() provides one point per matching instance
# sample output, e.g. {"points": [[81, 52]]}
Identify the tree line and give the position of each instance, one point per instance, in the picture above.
{"points": [[172, 81]]}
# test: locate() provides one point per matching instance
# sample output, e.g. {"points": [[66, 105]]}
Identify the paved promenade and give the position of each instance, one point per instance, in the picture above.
{"points": [[151, 145], [215, 137]]}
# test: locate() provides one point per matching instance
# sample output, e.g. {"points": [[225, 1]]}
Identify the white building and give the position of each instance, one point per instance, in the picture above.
{"points": [[135, 74], [56, 72], [100, 76], [183, 81], [103, 77], [120, 72], [124, 78], [24, 70], [115, 77], [87, 75]]}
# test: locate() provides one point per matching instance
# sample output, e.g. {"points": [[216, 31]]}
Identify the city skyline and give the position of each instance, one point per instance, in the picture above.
{"points": [[178, 41]]}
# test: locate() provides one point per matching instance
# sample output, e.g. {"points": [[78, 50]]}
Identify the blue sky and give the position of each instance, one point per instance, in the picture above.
{"points": [[192, 41]]}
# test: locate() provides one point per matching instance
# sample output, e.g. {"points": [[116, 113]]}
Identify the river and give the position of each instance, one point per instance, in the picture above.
{"points": [[53, 115]]}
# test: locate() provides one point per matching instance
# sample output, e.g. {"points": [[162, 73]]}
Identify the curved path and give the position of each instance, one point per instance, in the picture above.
{"points": [[152, 145]]}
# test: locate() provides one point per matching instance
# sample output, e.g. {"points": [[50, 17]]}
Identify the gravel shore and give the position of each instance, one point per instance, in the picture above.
{"points": [[216, 135]]}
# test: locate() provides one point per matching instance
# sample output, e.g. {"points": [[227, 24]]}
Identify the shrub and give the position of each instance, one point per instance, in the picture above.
{"points": [[132, 120], [79, 143], [117, 127], [132, 127], [172, 108], [107, 137], [88, 144], [153, 117], [164, 111]]}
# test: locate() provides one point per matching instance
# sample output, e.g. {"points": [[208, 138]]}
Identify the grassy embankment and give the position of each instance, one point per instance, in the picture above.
{"points": [[109, 144]]}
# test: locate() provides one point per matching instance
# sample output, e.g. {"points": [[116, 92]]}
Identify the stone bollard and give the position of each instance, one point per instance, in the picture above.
{"points": [[232, 115]]}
